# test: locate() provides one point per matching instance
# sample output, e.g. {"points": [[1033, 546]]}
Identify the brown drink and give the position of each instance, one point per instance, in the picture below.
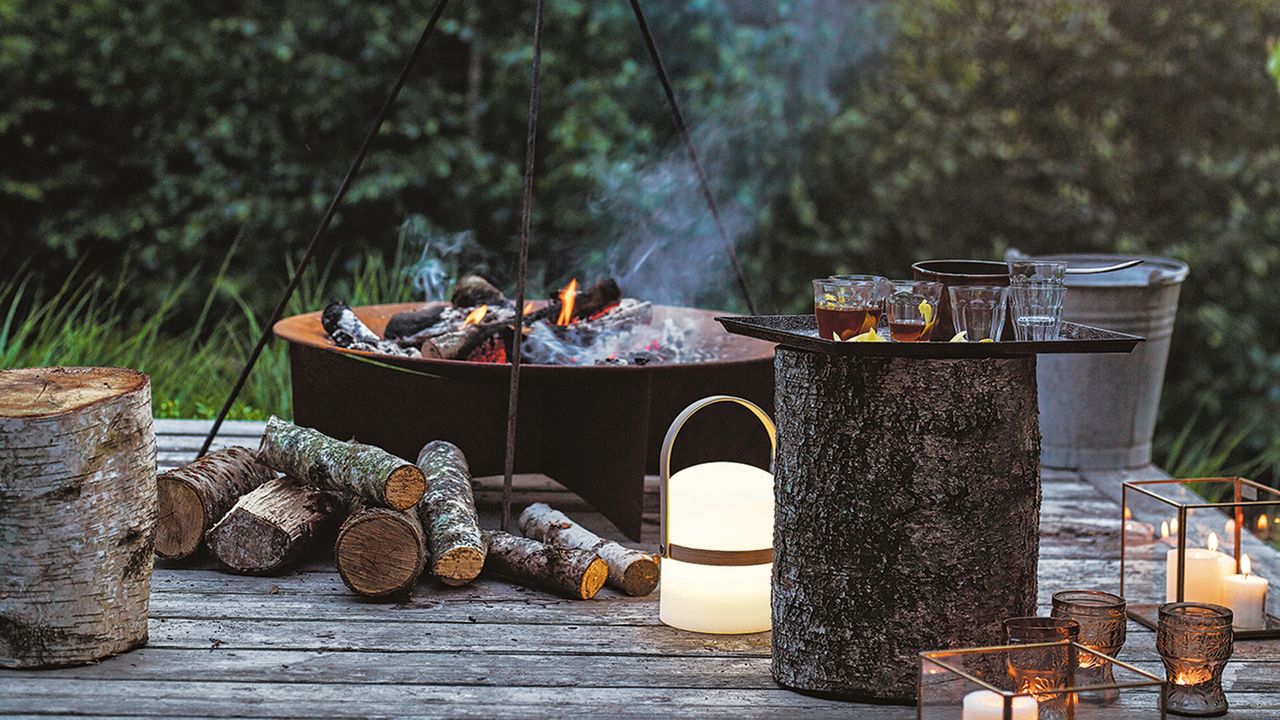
{"points": [[845, 322], [909, 331]]}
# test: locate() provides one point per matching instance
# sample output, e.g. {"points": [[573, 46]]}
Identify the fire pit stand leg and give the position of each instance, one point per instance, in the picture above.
{"points": [[907, 513]]}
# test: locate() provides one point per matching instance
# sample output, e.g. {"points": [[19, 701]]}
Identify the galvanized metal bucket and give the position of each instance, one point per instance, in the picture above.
{"points": [[1098, 412]]}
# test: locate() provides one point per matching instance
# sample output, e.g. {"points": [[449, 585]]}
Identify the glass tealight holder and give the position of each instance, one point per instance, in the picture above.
{"points": [[1050, 667], [1195, 641], [1102, 621], [1205, 540], [976, 684]]}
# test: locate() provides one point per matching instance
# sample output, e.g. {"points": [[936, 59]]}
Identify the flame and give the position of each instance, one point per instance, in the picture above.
{"points": [[1213, 541], [1128, 514], [1193, 676], [475, 316], [1246, 565], [567, 297], [1263, 523], [1230, 527], [1164, 529], [528, 308], [1173, 526]]}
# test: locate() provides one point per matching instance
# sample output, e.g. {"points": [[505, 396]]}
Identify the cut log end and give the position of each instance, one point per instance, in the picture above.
{"points": [[593, 579], [182, 520], [379, 554], [249, 544], [458, 565], [405, 487], [641, 576], [37, 392]]}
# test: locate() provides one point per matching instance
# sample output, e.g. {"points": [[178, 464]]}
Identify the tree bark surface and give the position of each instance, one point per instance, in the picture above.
{"points": [[77, 514], [574, 573], [380, 552], [364, 471], [907, 510], [273, 525], [634, 572], [194, 497], [448, 515]]}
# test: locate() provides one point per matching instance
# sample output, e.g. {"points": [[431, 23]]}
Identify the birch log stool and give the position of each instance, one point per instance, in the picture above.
{"points": [[906, 517], [77, 514]]}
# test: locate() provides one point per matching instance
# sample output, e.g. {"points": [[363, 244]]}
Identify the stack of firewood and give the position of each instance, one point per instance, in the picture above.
{"points": [[393, 519]]}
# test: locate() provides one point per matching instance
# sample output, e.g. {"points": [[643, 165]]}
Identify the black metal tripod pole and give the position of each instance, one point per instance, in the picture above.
{"points": [[522, 272], [694, 158], [276, 314]]}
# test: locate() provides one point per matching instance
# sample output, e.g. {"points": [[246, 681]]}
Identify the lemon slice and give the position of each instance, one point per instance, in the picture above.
{"points": [[868, 336], [986, 340], [926, 311], [962, 336]]}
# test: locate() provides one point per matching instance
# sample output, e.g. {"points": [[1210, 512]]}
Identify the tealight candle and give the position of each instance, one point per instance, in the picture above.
{"points": [[988, 705], [1205, 570], [1246, 595]]}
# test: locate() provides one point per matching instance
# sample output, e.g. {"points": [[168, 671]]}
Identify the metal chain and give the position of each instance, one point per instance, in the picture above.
{"points": [[526, 212]]}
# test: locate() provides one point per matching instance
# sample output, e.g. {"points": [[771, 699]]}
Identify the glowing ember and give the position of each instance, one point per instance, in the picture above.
{"points": [[475, 316], [528, 308], [568, 296]]}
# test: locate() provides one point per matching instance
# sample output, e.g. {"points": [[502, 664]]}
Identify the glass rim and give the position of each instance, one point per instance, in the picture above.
{"points": [[976, 288], [1194, 614], [1042, 624], [1089, 601]]}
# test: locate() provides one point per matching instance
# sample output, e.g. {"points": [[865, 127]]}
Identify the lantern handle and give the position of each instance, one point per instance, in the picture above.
{"points": [[708, 557]]}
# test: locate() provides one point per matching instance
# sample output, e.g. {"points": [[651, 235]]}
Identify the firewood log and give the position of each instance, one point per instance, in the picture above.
{"points": [[380, 552], [635, 572], [473, 290], [77, 513], [587, 302], [578, 574], [448, 515], [194, 497], [406, 323], [271, 526], [344, 328], [361, 470]]}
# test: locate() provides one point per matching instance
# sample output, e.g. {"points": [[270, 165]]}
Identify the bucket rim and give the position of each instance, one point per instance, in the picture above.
{"points": [[1171, 270]]}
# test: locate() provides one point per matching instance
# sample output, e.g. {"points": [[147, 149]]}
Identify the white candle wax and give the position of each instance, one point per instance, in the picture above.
{"points": [[1246, 595], [988, 705], [1205, 570]]}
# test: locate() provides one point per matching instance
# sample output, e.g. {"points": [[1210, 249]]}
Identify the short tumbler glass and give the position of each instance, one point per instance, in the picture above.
{"points": [[1051, 668], [1102, 621], [978, 311], [1037, 311], [1195, 641], [844, 308], [913, 310], [1037, 273]]}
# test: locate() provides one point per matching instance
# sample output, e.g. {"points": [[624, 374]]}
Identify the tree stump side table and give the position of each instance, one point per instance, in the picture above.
{"points": [[77, 514], [907, 515]]}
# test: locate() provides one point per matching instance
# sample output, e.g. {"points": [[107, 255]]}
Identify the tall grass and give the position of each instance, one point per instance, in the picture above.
{"points": [[192, 366]]}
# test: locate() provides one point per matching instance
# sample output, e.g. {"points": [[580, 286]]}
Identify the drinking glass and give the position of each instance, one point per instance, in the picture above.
{"points": [[845, 308], [1194, 641], [1046, 669], [1102, 621], [1037, 273], [1037, 311], [913, 310], [978, 310]]}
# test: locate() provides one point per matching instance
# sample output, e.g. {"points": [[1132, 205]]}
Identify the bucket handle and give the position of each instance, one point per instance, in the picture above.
{"points": [[700, 556]]}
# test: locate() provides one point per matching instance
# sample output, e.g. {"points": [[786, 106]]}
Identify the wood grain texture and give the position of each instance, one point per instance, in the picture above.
{"points": [[380, 552], [194, 497], [77, 514], [364, 471], [907, 508], [635, 572], [448, 515], [274, 525]]}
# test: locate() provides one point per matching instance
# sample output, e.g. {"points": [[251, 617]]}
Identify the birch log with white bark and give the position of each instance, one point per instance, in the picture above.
{"points": [[575, 573], [364, 471], [194, 497], [635, 572], [273, 526], [77, 514], [448, 515]]}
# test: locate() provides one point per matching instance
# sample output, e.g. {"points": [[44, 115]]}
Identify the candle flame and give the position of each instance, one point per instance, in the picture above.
{"points": [[1230, 527], [1246, 566], [1164, 529], [1173, 526], [1128, 514], [1263, 523], [1213, 541], [1193, 676]]}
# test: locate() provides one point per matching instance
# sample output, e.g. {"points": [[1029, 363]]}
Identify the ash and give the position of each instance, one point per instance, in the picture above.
{"points": [[671, 341]]}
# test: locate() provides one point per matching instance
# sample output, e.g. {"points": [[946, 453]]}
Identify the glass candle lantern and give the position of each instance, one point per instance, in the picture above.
{"points": [[979, 684], [1178, 546], [1195, 641], [716, 538]]}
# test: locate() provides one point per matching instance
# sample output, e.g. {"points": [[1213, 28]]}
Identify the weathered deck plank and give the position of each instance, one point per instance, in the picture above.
{"points": [[301, 645]]}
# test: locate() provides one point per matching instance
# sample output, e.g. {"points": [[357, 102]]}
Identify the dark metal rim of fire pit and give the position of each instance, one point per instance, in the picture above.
{"points": [[305, 329], [800, 333]]}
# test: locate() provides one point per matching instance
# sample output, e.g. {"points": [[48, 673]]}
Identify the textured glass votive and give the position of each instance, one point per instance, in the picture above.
{"points": [[1194, 641], [1102, 621], [1048, 668]]}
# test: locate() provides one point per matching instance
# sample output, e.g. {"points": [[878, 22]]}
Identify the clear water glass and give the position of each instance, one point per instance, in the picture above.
{"points": [[1037, 312], [1037, 273], [978, 311], [913, 310]]}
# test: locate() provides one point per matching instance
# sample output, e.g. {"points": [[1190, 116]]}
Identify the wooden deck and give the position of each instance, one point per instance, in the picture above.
{"points": [[302, 646]]}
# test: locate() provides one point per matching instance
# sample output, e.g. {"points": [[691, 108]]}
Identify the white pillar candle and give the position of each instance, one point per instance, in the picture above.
{"points": [[1246, 595], [988, 705], [1205, 570]]}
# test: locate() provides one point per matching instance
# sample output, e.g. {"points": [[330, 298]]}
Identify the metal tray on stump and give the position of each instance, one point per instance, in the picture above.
{"points": [[907, 500]]}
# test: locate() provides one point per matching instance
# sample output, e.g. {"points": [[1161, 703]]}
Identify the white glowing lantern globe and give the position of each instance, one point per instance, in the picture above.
{"points": [[718, 506]]}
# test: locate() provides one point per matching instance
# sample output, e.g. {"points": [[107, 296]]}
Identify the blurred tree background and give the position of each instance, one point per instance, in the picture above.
{"points": [[162, 163]]}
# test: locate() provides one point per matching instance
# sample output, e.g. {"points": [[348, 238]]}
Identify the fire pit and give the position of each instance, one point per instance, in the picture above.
{"points": [[594, 428]]}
